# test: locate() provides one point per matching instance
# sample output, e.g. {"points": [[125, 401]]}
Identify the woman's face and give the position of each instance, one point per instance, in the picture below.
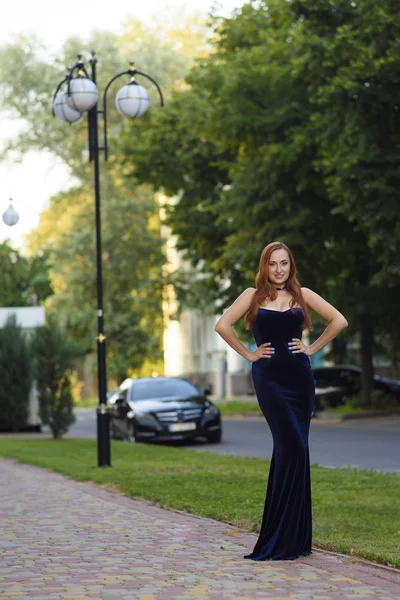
{"points": [[279, 267]]}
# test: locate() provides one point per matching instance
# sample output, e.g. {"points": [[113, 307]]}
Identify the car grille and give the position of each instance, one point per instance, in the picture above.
{"points": [[177, 416]]}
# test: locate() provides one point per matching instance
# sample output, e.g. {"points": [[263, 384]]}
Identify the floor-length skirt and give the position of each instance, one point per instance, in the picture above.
{"points": [[285, 392]]}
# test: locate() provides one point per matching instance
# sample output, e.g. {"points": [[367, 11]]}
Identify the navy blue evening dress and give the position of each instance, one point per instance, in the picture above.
{"points": [[285, 390]]}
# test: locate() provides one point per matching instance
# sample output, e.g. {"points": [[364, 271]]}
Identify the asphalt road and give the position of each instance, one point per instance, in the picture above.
{"points": [[360, 443]]}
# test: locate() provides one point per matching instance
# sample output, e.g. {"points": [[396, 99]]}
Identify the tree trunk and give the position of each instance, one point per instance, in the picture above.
{"points": [[366, 355], [338, 352]]}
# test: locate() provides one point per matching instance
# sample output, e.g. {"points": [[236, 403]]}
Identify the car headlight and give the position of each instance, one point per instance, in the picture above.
{"points": [[211, 411], [144, 418]]}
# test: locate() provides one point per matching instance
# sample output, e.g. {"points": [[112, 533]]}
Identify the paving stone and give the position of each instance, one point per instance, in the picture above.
{"points": [[64, 540]]}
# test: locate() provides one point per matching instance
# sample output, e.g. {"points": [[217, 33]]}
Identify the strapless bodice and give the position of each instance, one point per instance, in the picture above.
{"points": [[279, 328]]}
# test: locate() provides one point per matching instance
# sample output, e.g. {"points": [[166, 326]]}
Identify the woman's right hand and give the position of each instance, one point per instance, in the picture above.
{"points": [[263, 351]]}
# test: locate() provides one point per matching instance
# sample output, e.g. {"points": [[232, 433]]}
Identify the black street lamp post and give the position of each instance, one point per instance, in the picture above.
{"points": [[80, 95]]}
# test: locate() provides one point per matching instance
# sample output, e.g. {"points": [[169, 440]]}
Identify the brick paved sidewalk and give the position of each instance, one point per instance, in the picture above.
{"points": [[63, 539]]}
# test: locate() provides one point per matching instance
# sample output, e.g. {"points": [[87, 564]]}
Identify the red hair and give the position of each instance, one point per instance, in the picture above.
{"points": [[266, 291]]}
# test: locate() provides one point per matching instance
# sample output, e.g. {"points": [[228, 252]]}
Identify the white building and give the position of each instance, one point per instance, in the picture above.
{"points": [[28, 317], [192, 348]]}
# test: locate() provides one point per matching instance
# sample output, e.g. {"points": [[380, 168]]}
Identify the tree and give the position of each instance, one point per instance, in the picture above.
{"points": [[54, 355], [15, 376], [354, 88], [132, 263], [243, 150], [355, 96], [28, 81], [14, 277], [132, 246], [23, 281]]}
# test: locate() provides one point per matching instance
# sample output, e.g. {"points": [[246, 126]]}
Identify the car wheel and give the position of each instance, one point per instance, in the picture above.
{"points": [[132, 433], [113, 434], [112, 431], [215, 437]]}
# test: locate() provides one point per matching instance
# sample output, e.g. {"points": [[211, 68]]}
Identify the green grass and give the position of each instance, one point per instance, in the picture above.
{"points": [[230, 407], [87, 403], [348, 409], [237, 407], [355, 512]]}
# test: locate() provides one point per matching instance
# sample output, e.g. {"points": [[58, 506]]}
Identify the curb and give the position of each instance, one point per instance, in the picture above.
{"points": [[358, 559], [330, 417]]}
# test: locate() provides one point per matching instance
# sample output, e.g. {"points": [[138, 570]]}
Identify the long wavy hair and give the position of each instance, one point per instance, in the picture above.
{"points": [[266, 291]]}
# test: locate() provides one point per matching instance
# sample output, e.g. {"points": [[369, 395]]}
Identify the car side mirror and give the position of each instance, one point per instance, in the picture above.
{"points": [[207, 392]]}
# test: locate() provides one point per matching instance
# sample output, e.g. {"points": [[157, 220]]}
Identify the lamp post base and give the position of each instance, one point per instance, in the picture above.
{"points": [[103, 436]]}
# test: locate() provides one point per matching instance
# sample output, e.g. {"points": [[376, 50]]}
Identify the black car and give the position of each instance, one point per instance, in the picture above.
{"points": [[162, 408], [338, 382]]}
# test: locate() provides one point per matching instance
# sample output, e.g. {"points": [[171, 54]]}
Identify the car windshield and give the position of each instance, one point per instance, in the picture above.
{"points": [[163, 388]]}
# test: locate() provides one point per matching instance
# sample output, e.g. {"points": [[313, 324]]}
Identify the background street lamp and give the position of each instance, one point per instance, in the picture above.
{"points": [[74, 96], [10, 216]]}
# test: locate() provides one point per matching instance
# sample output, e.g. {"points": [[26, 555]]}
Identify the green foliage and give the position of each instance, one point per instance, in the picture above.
{"points": [[288, 132], [53, 360], [28, 80], [23, 281], [354, 511], [132, 272], [39, 277], [354, 88], [15, 376], [379, 400], [132, 245], [14, 277]]}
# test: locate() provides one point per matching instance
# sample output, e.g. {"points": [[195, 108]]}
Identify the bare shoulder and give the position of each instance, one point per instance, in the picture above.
{"points": [[248, 292], [311, 297], [239, 307], [245, 297], [307, 293]]}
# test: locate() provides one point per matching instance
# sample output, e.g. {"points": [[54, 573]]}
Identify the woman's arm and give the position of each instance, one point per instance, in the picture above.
{"points": [[336, 323], [225, 329]]}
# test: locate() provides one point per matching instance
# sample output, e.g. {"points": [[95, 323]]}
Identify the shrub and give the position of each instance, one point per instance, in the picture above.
{"points": [[15, 376], [54, 355], [379, 401]]}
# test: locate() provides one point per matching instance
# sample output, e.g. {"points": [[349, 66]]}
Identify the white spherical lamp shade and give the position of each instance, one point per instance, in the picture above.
{"points": [[10, 216], [63, 111], [83, 94], [132, 100]]}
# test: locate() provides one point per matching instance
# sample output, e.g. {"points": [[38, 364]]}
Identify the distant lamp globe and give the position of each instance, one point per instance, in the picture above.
{"points": [[83, 94], [132, 100], [10, 216], [63, 111]]}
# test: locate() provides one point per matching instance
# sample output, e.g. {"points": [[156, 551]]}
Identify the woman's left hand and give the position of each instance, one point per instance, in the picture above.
{"points": [[296, 346]]}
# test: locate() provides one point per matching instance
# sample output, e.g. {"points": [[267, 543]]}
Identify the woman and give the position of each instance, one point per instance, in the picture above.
{"points": [[277, 312]]}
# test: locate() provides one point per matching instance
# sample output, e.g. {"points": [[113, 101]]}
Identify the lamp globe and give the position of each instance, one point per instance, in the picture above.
{"points": [[83, 94], [10, 216], [63, 111], [132, 100]]}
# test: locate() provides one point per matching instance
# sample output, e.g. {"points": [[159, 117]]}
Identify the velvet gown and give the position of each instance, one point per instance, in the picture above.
{"points": [[285, 390]]}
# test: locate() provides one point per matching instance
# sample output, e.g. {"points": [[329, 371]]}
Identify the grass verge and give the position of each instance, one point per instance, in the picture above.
{"points": [[238, 407], [230, 407], [346, 409], [355, 512], [87, 403]]}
